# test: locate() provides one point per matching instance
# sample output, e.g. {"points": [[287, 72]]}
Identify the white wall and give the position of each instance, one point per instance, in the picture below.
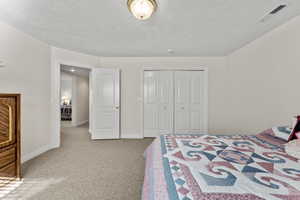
{"points": [[131, 81], [250, 90], [263, 82], [131, 93], [66, 84], [80, 104], [27, 72]]}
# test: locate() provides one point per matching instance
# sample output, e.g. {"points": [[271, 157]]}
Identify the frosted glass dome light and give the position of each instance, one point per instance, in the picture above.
{"points": [[142, 9]]}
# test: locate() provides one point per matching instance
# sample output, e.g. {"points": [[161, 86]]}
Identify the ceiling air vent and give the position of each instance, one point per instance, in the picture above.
{"points": [[276, 10], [273, 12]]}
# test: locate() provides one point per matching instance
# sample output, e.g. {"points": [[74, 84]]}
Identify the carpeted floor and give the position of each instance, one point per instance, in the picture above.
{"points": [[84, 169]]}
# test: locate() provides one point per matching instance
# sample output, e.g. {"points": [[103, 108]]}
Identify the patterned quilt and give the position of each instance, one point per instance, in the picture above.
{"points": [[205, 167]]}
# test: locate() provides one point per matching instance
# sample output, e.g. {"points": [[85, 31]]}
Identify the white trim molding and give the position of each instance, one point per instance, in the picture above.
{"points": [[70, 59], [131, 134], [80, 123]]}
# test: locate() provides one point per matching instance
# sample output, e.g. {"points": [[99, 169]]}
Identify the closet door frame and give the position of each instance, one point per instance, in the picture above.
{"points": [[205, 98]]}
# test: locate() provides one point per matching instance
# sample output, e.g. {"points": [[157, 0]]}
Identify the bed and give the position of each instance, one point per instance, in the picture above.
{"points": [[206, 167]]}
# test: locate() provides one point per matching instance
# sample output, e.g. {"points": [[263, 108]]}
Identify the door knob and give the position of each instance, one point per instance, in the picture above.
{"points": [[182, 108], [117, 107]]}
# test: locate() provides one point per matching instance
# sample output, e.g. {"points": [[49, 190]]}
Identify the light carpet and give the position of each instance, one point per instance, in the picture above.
{"points": [[84, 169]]}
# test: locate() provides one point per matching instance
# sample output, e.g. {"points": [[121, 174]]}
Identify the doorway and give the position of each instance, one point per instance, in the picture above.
{"points": [[104, 101], [74, 96]]}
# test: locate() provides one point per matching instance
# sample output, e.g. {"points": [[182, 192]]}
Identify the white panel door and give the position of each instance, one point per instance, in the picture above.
{"points": [[165, 102], [158, 103], [105, 104], [197, 102], [151, 79], [182, 98], [190, 113]]}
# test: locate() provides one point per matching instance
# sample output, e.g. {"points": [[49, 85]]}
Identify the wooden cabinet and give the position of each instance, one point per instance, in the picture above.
{"points": [[10, 166]]}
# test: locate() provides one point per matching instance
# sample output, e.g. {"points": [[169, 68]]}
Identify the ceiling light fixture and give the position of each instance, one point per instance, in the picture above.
{"points": [[142, 9]]}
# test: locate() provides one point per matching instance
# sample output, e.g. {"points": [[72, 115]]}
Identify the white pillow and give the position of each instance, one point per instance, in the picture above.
{"points": [[282, 132]]}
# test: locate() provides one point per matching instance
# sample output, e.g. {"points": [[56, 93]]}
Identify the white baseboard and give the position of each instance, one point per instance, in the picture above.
{"points": [[131, 134], [35, 153], [80, 123], [67, 125]]}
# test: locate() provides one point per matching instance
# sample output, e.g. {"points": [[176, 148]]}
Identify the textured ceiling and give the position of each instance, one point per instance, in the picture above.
{"points": [[106, 28]]}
